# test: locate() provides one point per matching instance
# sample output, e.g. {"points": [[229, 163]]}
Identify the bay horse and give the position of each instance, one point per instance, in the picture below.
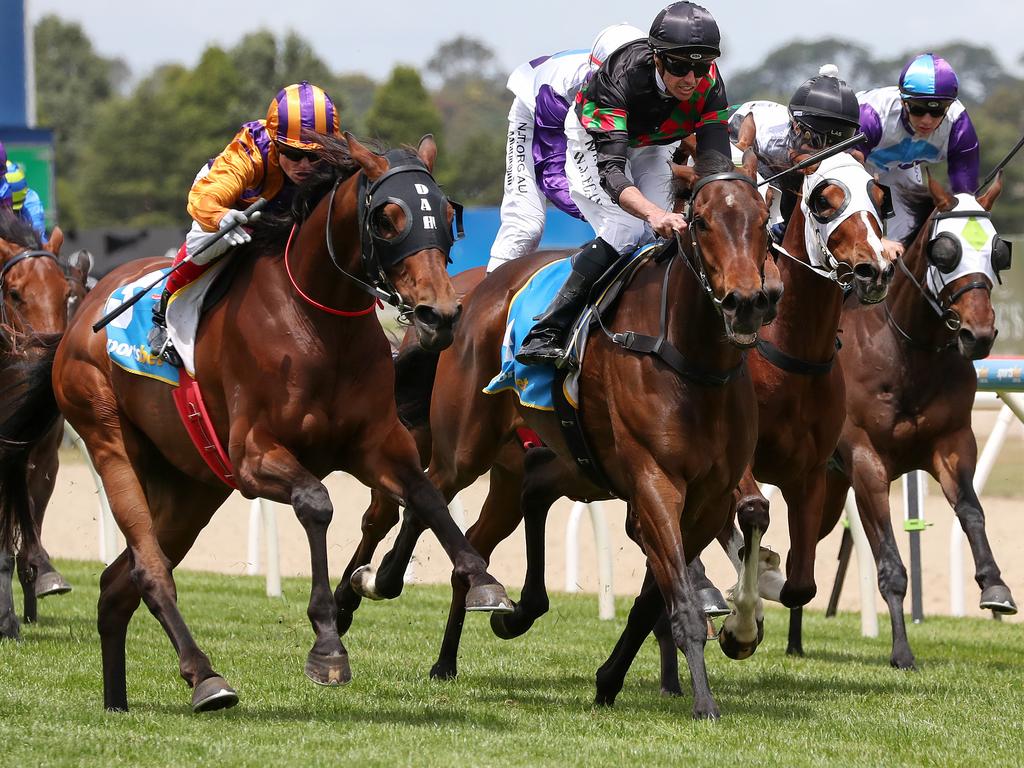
{"points": [[296, 385], [34, 296], [910, 387], [673, 441]]}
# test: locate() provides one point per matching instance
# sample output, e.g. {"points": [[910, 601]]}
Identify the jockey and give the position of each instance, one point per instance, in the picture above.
{"points": [[267, 158], [644, 96], [535, 153], [25, 201], [823, 111], [920, 121]]}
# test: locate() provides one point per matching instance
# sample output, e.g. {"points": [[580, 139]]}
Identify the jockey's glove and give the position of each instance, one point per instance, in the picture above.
{"points": [[235, 219]]}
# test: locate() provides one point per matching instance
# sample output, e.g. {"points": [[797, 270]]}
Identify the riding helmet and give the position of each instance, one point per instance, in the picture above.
{"points": [[826, 105], [929, 77], [687, 30], [299, 109]]}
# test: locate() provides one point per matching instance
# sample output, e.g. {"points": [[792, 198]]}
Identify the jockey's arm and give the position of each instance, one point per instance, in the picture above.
{"points": [[963, 156], [233, 171]]}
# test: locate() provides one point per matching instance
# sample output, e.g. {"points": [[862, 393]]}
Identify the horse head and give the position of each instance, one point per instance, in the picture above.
{"points": [[406, 230], [34, 291], [963, 256], [727, 242], [843, 209]]}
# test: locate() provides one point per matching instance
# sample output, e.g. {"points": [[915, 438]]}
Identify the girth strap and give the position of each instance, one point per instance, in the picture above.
{"points": [[791, 364]]}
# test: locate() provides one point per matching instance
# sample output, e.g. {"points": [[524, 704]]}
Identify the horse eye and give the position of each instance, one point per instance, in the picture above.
{"points": [[701, 224], [381, 225], [15, 294]]}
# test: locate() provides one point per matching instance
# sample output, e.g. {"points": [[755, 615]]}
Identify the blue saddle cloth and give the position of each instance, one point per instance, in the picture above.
{"points": [[127, 335], [532, 383]]}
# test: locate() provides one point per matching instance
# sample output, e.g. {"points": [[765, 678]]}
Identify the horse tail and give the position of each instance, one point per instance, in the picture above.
{"points": [[415, 369], [29, 411]]}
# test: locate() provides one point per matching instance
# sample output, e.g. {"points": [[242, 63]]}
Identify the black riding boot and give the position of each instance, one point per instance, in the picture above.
{"points": [[159, 342], [545, 343]]}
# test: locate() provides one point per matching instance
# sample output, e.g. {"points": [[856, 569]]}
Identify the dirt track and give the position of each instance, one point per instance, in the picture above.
{"points": [[71, 532]]}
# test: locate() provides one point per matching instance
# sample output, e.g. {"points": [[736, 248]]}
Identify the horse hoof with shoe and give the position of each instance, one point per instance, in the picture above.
{"points": [[328, 670], [213, 693]]}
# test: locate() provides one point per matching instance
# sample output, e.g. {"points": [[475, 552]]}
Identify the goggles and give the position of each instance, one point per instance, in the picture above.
{"points": [[805, 137], [922, 107], [298, 155], [678, 66]]}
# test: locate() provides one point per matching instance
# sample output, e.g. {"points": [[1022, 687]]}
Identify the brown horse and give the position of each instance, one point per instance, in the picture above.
{"points": [[293, 391], [672, 440], [33, 315], [910, 390]]}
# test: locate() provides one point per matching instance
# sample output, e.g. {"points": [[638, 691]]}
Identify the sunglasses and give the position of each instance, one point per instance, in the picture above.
{"points": [[683, 67], [298, 155], [922, 108], [817, 141]]}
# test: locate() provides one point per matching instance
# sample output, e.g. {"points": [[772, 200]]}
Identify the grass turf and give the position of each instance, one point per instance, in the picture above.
{"points": [[524, 702]]}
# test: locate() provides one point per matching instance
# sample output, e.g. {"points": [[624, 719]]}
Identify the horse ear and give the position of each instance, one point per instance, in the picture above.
{"points": [[944, 200], [80, 264], [373, 165], [748, 132], [750, 164], [988, 198], [427, 151], [56, 241], [686, 150]]}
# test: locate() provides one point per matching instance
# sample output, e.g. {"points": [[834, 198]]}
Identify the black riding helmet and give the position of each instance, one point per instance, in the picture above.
{"points": [[825, 107], [686, 30]]}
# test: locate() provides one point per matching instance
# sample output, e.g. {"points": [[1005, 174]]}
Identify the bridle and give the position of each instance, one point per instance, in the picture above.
{"points": [[28, 253]]}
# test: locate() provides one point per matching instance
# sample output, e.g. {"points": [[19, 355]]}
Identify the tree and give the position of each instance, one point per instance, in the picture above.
{"points": [[463, 57], [72, 83], [402, 111], [353, 95]]}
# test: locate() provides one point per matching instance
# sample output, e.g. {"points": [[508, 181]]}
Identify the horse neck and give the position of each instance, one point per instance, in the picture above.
{"points": [[908, 308], [808, 315], [695, 327], [314, 270]]}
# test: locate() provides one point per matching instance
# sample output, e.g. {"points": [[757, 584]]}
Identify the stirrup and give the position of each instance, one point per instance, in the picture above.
{"points": [[160, 346]]}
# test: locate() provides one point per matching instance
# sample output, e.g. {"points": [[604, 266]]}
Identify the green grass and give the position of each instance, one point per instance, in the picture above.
{"points": [[524, 702]]}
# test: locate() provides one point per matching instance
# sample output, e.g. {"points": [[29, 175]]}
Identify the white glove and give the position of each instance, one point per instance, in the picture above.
{"points": [[238, 235]]}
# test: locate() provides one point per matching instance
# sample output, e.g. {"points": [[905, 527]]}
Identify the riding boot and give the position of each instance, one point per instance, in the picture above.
{"points": [[159, 341], [545, 343]]}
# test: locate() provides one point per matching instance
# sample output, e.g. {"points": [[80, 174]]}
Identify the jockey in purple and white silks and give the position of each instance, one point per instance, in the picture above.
{"points": [[823, 111], [647, 95], [535, 152], [918, 122]]}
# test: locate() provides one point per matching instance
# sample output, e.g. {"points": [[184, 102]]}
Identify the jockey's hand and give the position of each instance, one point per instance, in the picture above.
{"points": [[238, 235], [892, 248], [666, 223]]}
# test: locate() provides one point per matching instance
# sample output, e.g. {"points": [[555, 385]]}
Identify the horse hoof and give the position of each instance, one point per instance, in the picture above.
{"points": [[509, 626], [997, 598], [328, 670], [712, 602], [364, 582], [733, 648], [51, 583], [489, 597], [795, 650], [707, 713], [443, 670], [213, 693], [903, 664]]}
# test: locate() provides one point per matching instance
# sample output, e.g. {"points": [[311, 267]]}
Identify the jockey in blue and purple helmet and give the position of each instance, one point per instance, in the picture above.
{"points": [[916, 123]]}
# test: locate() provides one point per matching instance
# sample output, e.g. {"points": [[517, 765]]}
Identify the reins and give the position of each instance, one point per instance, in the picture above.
{"points": [[313, 302]]}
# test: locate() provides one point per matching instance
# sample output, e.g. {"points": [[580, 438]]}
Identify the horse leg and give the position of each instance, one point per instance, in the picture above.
{"points": [[393, 467], [8, 616], [711, 601], [804, 497], [42, 477], [269, 470], [743, 630], [647, 609], [538, 494], [499, 516], [837, 485], [380, 517], [871, 489], [954, 461]]}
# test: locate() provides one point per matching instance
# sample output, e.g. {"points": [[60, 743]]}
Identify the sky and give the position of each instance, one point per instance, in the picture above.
{"points": [[372, 37]]}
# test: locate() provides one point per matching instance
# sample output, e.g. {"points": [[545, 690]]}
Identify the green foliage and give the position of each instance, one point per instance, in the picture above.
{"points": [[526, 702], [402, 110], [353, 95]]}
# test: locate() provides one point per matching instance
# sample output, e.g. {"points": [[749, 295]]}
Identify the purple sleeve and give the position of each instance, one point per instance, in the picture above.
{"points": [[871, 127], [964, 155]]}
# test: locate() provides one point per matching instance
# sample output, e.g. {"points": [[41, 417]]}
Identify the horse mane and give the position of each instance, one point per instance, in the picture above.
{"points": [[708, 163], [14, 230]]}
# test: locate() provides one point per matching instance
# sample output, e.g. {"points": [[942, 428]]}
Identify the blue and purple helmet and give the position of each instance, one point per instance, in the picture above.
{"points": [[929, 77]]}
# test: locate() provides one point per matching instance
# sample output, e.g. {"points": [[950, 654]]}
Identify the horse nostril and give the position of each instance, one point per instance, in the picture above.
{"points": [[427, 316], [761, 301], [888, 272], [967, 338], [731, 302], [866, 273]]}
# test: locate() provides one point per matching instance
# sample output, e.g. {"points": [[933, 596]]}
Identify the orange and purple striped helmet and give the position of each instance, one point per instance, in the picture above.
{"points": [[300, 108]]}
